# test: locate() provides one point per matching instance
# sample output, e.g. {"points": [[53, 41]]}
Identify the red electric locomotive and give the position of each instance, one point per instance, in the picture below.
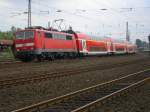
{"points": [[5, 44], [41, 43]]}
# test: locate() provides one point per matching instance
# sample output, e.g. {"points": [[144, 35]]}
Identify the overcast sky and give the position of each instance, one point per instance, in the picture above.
{"points": [[83, 15]]}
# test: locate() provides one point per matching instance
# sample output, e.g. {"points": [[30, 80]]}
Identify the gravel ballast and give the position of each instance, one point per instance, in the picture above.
{"points": [[136, 101], [24, 95]]}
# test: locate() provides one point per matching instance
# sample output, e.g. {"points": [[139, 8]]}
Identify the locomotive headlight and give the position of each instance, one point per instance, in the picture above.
{"points": [[29, 44], [18, 49]]}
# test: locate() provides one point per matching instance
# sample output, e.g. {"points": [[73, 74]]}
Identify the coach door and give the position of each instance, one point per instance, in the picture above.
{"points": [[108, 46], [83, 45]]}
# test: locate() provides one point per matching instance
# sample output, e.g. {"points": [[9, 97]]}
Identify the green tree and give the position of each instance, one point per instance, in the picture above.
{"points": [[13, 29], [139, 43]]}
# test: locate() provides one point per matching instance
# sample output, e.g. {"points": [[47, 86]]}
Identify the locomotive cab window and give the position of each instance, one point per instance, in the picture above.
{"points": [[29, 34], [20, 35], [68, 37], [48, 35], [25, 34]]}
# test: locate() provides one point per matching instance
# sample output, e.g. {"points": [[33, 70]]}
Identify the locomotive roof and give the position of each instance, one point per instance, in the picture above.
{"points": [[44, 30]]}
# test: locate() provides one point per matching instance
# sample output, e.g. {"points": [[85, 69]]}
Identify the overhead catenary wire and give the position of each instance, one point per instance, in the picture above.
{"points": [[84, 13], [64, 11]]}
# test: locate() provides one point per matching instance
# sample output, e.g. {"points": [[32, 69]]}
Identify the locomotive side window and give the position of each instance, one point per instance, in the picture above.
{"points": [[55, 36], [63, 37], [59, 36], [48, 35], [68, 37]]}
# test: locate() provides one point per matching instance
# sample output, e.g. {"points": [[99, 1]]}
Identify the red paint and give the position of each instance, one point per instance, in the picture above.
{"points": [[80, 43]]}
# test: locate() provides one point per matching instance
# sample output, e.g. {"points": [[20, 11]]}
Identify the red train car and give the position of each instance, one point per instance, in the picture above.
{"points": [[131, 48], [120, 47], [92, 45], [5, 44], [46, 44]]}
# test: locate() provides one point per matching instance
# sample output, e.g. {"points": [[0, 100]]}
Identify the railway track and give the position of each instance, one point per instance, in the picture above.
{"points": [[41, 77], [9, 61], [87, 99], [12, 61]]}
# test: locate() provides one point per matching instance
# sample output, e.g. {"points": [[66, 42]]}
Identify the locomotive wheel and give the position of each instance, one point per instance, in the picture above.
{"points": [[52, 57], [39, 58]]}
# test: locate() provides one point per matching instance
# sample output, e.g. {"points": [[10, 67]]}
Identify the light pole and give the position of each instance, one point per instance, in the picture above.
{"points": [[127, 32], [149, 43], [29, 14]]}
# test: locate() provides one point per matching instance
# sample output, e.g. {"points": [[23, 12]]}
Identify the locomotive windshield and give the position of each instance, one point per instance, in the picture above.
{"points": [[24, 35]]}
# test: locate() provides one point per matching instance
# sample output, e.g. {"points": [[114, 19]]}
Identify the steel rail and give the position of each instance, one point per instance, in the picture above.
{"points": [[9, 62], [99, 102], [80, 93]]}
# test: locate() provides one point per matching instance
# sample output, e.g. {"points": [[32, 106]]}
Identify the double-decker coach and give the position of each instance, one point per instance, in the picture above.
{"points": [[94, 45], [119, 46]]}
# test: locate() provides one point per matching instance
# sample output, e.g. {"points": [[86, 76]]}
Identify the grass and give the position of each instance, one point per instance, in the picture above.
{"points": [[6, 54]]}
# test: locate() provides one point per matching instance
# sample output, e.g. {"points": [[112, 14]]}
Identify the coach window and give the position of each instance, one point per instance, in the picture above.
{"points": [[48, 35], [68, 37]]}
